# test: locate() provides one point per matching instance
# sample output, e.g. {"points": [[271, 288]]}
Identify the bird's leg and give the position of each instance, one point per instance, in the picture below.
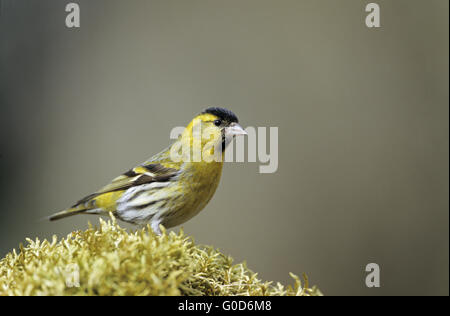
{"points": [[155, 227]]}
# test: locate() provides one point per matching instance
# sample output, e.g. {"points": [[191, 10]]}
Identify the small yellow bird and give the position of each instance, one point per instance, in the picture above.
{"points": [[169, 188]]}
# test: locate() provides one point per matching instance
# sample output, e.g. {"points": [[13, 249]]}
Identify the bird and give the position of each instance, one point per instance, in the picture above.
{"points": [[171, 187]]}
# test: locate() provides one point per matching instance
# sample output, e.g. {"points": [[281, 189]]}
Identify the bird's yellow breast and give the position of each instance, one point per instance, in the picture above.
{"points": [[197, 186]]}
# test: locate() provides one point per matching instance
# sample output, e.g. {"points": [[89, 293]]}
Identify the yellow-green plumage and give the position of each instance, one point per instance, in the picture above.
{"points": [[162, 190]]}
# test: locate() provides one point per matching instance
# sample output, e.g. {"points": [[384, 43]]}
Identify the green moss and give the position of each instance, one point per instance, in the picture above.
{"points": [[111, 261]]}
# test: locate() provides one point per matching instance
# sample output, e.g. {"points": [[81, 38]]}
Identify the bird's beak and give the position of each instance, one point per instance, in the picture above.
{"points": [[234, 129]]}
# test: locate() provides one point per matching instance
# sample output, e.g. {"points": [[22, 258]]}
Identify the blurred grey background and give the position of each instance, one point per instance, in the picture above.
{"points": [[362, 116]]}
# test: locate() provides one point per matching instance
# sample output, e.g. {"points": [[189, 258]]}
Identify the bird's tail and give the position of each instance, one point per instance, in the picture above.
{"points": [[71, 212]]}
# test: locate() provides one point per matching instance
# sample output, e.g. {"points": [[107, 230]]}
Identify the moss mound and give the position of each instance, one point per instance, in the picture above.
{"points": [[111, 261]]}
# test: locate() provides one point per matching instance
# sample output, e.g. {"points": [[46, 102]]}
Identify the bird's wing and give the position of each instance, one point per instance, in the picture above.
{"points": [[143, 174], [105, 200]]}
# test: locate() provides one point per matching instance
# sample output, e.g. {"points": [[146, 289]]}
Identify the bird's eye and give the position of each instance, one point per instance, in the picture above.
{"points": [[217, 122]]}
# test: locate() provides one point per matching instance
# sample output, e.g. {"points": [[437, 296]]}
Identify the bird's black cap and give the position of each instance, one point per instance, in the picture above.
{"points": [[223, 114]]}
